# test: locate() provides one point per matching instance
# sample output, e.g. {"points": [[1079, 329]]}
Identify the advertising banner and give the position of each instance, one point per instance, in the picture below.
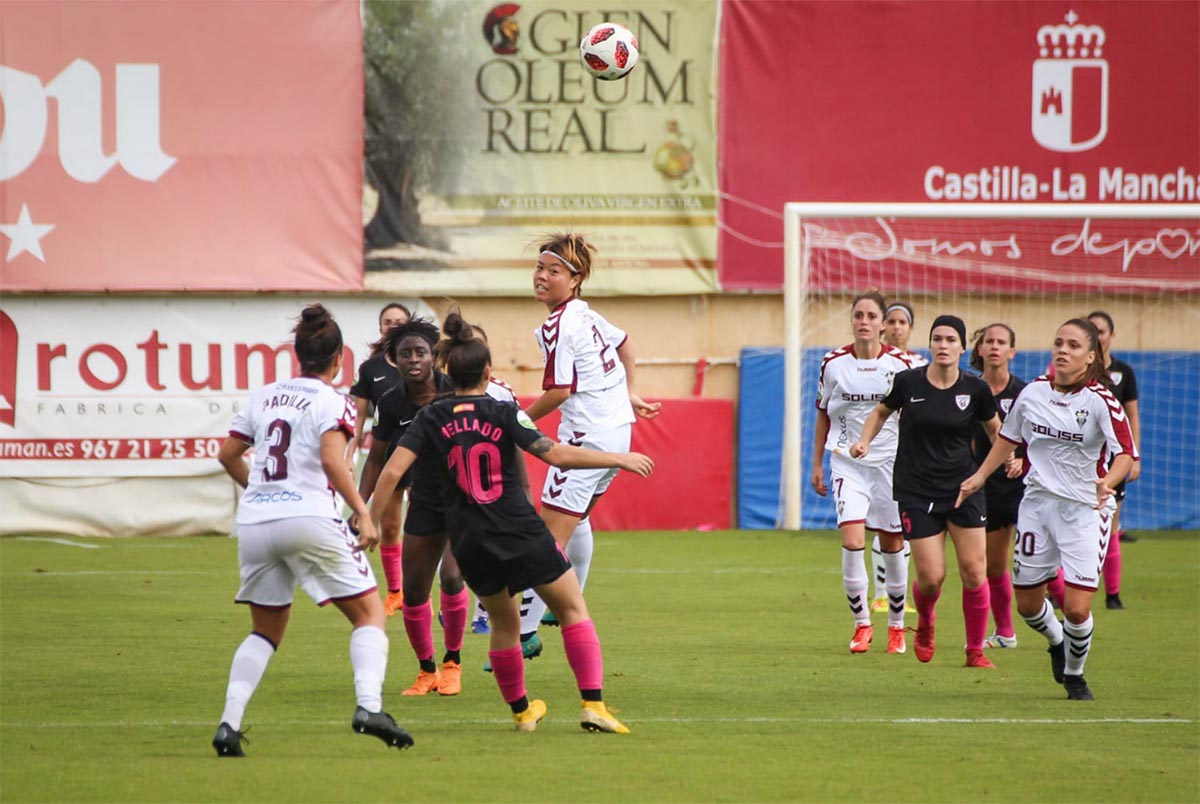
{"points": [[981, 102], [186, 145], [101, 387], [474, 150], [1004, 256]]}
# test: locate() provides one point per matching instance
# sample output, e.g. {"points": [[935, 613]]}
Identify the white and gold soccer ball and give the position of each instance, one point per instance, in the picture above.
{"points": [[609, 51]]}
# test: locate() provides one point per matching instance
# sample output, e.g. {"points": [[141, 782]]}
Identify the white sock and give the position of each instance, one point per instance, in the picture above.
{"points": [[1079, 642], [579, 550], [532, 609], [368, 657], [897, 586], [480, 611], [1045, 623], [854, 578], [907, 551], [880, 567], [249, 663]]}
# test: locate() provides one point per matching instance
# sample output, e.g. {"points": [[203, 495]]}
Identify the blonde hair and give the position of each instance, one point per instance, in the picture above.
{"points": [[574, 250]]}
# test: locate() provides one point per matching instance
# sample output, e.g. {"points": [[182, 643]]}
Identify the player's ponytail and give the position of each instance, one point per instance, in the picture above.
{"points": [[318, 340], [464, 355]]}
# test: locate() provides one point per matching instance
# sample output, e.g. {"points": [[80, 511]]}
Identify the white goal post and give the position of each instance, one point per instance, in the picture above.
{"points": [[797, 261]]}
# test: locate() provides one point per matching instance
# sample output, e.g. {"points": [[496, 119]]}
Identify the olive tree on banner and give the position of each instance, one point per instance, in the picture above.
{"points": [[414, 125]]}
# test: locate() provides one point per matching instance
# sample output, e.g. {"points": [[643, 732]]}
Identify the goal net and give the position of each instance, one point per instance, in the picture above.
{"points": [[1031, 266]]}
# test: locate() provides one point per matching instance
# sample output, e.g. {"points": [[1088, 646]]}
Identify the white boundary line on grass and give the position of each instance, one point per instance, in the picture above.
{"points": [[115, 572], [614, 571], [52, 540], [1012, 721]]}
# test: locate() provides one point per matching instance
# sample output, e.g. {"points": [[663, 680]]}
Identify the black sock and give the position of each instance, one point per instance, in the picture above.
{"points": [[526, 637], [428, 666], [452, 656], [592, 695], [520, 705]]}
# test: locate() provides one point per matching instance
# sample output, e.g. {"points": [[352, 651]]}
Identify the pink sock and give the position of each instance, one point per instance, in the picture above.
{"points": [[1000, 590], [925, 610], [1057, 589], [389, 554], [455, 613], [508, 666], [1112, 565], [583, 654], [975, 614], [418, 624]]}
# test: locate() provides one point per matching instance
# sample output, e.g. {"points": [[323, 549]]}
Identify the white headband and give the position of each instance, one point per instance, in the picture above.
{"points": [[907, 312], [570, 267]]}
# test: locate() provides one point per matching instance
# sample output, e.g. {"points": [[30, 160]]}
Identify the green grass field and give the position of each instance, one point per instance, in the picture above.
{"points": [[725, 654]]}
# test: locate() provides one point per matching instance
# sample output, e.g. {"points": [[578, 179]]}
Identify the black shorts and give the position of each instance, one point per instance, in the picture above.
{"points": [[920, 520], [1002, 511], [488, 573], [424, 519]]}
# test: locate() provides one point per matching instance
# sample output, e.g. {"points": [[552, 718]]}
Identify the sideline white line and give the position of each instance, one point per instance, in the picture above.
{"points": [[773, 570], [111, 572], [52, 540], [1010, 721]]}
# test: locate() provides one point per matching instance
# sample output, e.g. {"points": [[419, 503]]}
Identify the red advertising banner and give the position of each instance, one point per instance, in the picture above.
{"points": [[691, 443], [180, 146], [1000, 102]]}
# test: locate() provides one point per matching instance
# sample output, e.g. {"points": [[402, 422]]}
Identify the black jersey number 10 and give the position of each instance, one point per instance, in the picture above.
{"points": [[477, 471]]}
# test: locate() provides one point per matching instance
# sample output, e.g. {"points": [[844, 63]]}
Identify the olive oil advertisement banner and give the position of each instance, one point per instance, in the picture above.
{"points": [[484, 130]]}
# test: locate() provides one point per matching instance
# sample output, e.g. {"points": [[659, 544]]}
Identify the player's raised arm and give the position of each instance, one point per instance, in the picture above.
{"points": [[566, 456]]}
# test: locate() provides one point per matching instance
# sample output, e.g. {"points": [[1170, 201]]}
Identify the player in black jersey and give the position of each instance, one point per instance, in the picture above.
{"points": [[425, 546], [1123, 384], [376, 375], [995, 347], [941, 405], [501, 543]]}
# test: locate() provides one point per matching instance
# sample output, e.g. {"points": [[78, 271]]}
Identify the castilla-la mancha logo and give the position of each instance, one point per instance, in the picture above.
{"points": [[1070, 87]]}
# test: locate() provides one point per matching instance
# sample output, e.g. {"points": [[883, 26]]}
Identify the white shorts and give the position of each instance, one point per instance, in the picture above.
{"points": [[571, 490], [1054, 532], [863, 493], [315, 553]]}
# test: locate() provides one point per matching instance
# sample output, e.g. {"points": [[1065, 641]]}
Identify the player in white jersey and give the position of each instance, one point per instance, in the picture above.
{"points": [[898, 320], [589, 377], [290, 531], [1072, 426], [852, 380]]}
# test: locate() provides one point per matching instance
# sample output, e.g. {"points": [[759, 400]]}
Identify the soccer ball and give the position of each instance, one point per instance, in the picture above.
{"points": [[609, 51]]}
